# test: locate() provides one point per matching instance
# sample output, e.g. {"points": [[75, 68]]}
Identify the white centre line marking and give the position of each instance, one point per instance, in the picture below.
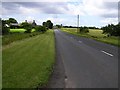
{"points": [[107, 53], [80, 41]]}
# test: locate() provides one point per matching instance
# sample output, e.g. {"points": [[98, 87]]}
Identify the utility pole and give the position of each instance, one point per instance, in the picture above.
{"points": [[119, 12], [77, 23]]}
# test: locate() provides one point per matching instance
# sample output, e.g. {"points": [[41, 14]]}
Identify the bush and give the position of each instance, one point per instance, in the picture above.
{"points": [[40, 29], [5, 30], [5, 27], [27, 26], [111, 30], [84, 30]]}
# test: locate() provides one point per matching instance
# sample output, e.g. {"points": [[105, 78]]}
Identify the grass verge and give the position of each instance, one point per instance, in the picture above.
{"points": [[96, 35], [7, 39], [28, 63]]}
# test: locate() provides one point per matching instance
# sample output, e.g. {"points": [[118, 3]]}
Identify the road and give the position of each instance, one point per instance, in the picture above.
{"points": [[87, 63]]}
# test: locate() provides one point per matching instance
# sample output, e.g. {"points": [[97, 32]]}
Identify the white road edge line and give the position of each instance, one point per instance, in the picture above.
{"points": [[107, 53]]}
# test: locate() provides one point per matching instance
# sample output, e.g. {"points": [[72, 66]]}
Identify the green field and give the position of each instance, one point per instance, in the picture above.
{"points": [[94, 34], [28, 63], [19, 30]]}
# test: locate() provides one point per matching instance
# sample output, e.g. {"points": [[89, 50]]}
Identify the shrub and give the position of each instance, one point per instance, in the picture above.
{"points": [[40, 29], [84, 30], [5, 27], [112, 30], [27, 26], [5, 30]]}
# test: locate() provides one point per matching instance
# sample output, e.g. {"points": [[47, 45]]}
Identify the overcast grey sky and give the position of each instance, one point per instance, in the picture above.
{"points": [[92, 12]]}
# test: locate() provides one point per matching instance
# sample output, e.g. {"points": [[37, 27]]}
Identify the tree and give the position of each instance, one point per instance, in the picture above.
{"points": [[44, 24], [58, 26], [48, 24], [27, 26], [12, 20]]}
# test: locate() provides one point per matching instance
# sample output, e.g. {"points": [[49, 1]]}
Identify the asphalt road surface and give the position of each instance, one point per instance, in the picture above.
{"points": [[87, 63]]}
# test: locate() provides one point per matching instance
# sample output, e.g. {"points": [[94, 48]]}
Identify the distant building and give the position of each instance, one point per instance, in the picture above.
{"points": [[26, 21], [6, 25], [33, 23], [14, 25]]}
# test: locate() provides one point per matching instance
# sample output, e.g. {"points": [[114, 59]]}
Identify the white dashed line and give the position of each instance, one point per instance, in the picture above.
{"points": [[80, 41], [107, 53]]}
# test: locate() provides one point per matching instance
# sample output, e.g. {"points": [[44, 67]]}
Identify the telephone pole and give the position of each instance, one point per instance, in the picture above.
{"points": [[77, 23], [119, 12]]}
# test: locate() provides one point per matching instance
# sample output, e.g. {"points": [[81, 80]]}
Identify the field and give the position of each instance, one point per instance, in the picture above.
{"points": [[19, 30], [28, 63], [94, 34]]}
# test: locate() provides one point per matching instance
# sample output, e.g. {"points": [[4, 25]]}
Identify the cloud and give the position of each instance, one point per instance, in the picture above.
{"points": [[34, 7], [109, 21], [106, 9], [91, 7], [101, 8], [40, 0], [111, 5]]}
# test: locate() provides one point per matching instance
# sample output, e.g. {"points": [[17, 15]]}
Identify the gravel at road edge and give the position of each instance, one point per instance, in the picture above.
{"points": [[57, 79]]}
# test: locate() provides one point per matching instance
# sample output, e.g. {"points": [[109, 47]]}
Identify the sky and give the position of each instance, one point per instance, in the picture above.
{"points": [[91, 12]]}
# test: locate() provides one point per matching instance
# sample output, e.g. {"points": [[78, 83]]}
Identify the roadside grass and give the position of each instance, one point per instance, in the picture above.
{"points": [[19, 30], [95, 34], [29, 62], [14, 36]]}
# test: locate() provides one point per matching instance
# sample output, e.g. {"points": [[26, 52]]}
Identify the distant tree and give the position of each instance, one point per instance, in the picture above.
{"points": [[93, 27], [27, 27], [12, 23], [49, 24], [58, 26], [44, 24], [12, 20]]}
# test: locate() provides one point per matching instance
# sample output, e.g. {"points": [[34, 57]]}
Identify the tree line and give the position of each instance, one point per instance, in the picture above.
{"points": [[12, 23]]}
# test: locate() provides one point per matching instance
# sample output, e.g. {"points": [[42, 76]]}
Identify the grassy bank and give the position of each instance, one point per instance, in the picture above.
{"points": [[7, 39], [28, 63], [94, 34]]}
